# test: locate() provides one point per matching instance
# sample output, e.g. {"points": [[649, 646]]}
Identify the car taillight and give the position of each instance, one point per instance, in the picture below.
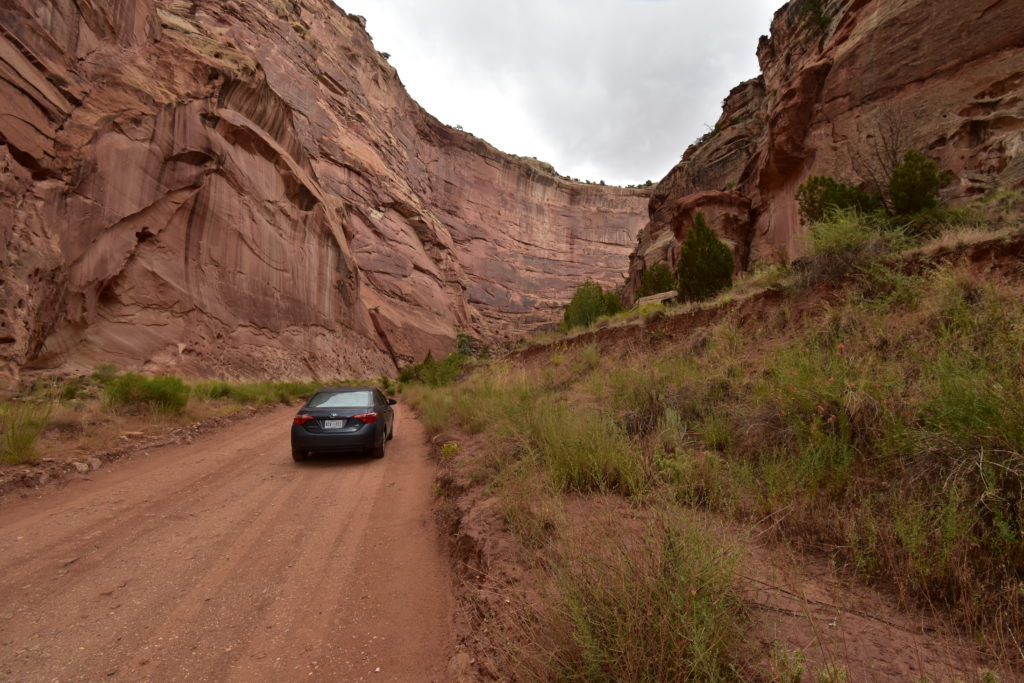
{"points": [[366, 418], [302, 419]]}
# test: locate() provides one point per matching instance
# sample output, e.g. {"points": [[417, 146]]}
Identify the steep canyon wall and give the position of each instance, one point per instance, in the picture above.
{"points": [[245, 189], [839, 78]]}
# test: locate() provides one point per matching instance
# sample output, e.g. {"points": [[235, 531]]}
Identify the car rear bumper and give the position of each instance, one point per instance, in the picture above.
{"points": [[320, 442]]}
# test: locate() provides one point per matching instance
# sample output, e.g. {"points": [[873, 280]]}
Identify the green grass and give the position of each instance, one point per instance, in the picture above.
{"points": [[889, 431], [583, 452], [886, 430], [253, 393], [22, 423], [164, 394], [883, 427], [171, 394], [660, 605]]}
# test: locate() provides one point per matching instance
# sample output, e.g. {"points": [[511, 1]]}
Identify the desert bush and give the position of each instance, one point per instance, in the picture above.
{"points": [[847, 240], [435, 373], [211, 390], [821, 195], [589, 303], [660, 606], [267, 393], [22, 424], [656, 279], [71, 389], [132, 390], [387, 385], [914, 185], [814, 15], [705, 263], [939, 220], [104, 374]]}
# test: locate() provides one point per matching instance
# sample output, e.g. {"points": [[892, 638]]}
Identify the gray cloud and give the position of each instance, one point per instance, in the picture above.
{"points": [[603, 89]]}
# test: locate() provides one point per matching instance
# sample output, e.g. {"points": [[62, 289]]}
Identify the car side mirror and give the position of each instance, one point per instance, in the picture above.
{"points": [[392, 401]]}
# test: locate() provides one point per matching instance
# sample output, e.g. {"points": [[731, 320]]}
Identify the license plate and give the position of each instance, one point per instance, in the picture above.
{"points": [[334, 424]]}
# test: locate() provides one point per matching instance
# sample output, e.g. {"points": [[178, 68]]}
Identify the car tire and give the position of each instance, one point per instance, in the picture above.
{"points": [[391, 433], [378, 450], [298, 456]]}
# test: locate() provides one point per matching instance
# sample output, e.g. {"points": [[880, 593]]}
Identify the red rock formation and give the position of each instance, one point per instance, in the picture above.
{"points": [[245, 188], [944, 76]]}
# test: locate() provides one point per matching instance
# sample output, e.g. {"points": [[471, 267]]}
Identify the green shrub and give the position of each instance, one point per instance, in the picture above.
{"points": [[165, 394], [71, 389], [387, 385], [435, 373], [266, 393], [914, 185], [822, 194], [705, 263], [814, 14], [211, 390], [103, 374], [656, 279], [23, 423], [589, 303], [846, 240]]}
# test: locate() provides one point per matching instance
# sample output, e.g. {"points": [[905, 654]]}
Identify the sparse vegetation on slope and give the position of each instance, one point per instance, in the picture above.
{"points": [[660, 606], [881, 429]]}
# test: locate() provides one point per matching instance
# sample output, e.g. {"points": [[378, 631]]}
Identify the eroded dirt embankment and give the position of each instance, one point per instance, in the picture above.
{"points": [[798, 606], [1000, 254]]}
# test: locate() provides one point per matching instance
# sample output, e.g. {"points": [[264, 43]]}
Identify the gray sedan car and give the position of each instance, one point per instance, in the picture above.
{"points": [[343, 420]]}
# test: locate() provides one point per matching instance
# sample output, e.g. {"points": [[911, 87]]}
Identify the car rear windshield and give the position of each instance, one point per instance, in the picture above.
{"points": [[342, 399]]}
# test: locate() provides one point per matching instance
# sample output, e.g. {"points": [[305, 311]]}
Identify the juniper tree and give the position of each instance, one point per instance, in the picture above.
{"points": [[705, 263]]}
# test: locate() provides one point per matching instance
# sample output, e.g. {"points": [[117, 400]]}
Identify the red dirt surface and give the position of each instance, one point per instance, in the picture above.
{"points": [[224, 560]]}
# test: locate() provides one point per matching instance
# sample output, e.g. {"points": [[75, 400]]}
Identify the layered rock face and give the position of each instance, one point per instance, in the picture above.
{"points": [[842, 81], [245, 189]]}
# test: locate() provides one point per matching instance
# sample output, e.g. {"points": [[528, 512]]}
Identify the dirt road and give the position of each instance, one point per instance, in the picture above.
{"points": [[224, 560]]}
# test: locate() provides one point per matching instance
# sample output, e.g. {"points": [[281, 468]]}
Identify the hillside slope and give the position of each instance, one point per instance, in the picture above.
{"points": [[245, 188], [815, 481]]}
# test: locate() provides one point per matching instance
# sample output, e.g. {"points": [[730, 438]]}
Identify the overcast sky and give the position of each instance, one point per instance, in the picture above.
{"points": [[610, 90]]}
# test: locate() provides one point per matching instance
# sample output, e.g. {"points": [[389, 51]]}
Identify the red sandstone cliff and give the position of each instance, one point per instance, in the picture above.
{"points": [[945, 76], [244, 187]]}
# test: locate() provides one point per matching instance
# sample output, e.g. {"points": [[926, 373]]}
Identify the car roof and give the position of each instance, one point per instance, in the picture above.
{"points": [[340, 390]]}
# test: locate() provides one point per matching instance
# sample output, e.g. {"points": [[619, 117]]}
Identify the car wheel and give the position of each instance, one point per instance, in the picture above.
{"points": [[378, 450], [391, 433], [298, 456]]}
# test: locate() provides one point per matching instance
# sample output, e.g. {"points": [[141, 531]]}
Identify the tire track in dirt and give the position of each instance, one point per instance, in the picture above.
{"points": [[224, 560]]}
